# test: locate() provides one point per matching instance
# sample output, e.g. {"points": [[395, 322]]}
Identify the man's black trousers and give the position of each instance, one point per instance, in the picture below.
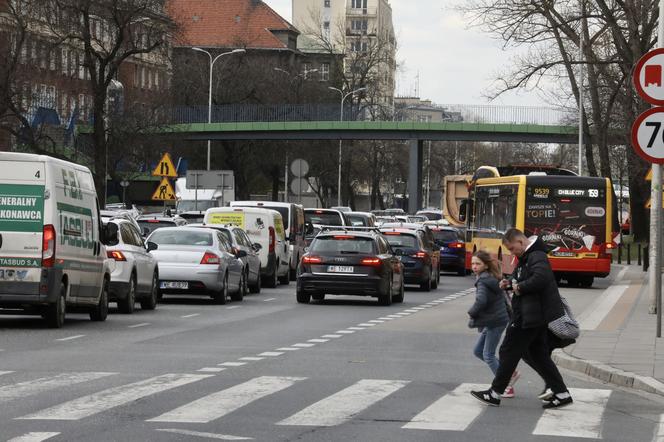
{"points": [[531, 341]]}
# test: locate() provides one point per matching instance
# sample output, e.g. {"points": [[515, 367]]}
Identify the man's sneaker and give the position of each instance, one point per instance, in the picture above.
{"points": [[515, 377], [509, 392], [486, 397], [545, 395], [557, 402]]}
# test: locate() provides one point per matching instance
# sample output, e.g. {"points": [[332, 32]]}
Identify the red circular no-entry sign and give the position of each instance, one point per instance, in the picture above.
{"points": [[648, 77]]}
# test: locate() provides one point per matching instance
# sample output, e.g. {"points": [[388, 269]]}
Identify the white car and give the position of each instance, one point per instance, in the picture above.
{"points": [[135, 274]]}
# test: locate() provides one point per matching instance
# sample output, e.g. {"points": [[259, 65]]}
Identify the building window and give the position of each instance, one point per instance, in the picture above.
{"points": [[306, 68], [326, 3], [360, 26], [325, 72], [359, 46], [360, 4]]}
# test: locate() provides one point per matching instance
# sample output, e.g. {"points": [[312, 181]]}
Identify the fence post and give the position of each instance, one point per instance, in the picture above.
{"points": [[646, 258], [620, 253], [629, 254], [639, 249]]}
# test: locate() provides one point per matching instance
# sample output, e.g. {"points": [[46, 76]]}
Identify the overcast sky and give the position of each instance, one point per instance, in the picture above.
{"points": [[455, 64]]}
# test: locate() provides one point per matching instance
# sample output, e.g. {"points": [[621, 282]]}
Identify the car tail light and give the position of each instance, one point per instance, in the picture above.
{"points": [[273, 240], [311, 260], [210, 258], [153, 221], [116, 255], [610, 245], [456, 245], [48, 246], [343, 237], [391, 233], [373, 262], [420, 255]]}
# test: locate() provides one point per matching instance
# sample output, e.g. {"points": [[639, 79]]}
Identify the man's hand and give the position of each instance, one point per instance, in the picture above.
{"points": [[504, 284]]}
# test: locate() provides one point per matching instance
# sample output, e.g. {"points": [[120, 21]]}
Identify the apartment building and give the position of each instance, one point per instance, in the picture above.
{"points": [[363, 31]]}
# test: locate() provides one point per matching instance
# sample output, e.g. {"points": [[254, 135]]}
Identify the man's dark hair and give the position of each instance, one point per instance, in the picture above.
{"points": [[512, 235]]}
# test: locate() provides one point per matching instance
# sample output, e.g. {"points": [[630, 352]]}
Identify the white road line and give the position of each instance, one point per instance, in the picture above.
{"points": [[318, 341], [418, 308], [232, 364], [659, 430], [211, 369], [385, 318], [142, 324], [251, 358], [269, 299], [598, 310], [303, 345], [411, 310], [581, 419], [453, 412], [191, 316], [5, 372], [36, 386], [345, 404], [394, 316], [113, 397], [70, 338], [377, 321], [221, 403], [289, 349], [345, 332], [33, 437], [331, 336], [202, 434], [233, 307], [366, 324], [403, 314], [271, 353], [356, 328]]}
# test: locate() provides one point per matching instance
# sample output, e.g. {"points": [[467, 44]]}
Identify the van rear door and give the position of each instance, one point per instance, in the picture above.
{"points": [[21, 226]]}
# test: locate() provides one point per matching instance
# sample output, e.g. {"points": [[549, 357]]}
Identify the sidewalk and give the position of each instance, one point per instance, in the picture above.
{"points": [[618, 343]]}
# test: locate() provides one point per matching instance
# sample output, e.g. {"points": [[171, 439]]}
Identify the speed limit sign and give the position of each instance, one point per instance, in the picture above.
{"points": [[648, 135]]}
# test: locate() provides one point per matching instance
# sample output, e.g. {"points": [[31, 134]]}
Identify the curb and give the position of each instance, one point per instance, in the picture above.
{"points": [[608, 374]]}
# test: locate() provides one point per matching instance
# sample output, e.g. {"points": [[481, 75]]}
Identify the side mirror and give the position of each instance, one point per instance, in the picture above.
{"points": [[110, 234], [241, 253], [256, 246], [309, 229], [152, 246]]}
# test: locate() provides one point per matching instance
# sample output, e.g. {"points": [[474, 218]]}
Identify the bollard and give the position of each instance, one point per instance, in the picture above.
{"points": [[646, 258], [629, 254], [639, 249], [619, 253]]}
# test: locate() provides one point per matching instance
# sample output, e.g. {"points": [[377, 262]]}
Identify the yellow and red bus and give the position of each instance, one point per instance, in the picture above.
{"points": [[575, 217]]}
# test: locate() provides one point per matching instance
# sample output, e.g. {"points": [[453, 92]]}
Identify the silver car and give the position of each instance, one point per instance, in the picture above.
{"points": [[196, 261]]}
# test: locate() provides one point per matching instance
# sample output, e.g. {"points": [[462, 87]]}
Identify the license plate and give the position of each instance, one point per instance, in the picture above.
{"points": [[564, 254], [340, 269], [174, 285]]}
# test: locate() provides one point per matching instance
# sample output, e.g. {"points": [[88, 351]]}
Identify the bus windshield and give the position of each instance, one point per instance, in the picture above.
{"points": [[570, 216]]}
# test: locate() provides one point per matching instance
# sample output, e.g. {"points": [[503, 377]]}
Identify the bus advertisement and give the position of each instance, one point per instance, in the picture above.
{"points": [[575, 217]]}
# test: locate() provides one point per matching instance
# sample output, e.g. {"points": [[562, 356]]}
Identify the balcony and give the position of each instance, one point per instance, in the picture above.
{"points": [[361, 12]]}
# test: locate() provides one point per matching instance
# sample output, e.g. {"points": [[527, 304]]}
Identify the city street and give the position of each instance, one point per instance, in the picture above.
{"points": [[269, 369]]}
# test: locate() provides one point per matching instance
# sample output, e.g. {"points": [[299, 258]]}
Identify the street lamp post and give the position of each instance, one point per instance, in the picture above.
{"points": [[341, 118], [212, 62]]}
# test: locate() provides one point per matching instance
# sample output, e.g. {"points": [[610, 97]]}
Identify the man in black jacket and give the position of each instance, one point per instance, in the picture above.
{"points": [[535, 303]]}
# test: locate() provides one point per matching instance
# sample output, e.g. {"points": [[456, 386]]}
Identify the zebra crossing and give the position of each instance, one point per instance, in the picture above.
{"points": [[454, 410]]}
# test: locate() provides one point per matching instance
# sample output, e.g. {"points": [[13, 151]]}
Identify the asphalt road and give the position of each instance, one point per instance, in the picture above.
{"points": [[269, 369]]}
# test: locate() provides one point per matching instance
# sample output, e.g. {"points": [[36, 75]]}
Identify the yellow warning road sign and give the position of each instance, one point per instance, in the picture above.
{"points": [[164, 191], [649, 175], [165, 167]]}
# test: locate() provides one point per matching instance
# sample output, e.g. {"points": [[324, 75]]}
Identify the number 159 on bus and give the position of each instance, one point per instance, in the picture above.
{"points": [[648, 135]]}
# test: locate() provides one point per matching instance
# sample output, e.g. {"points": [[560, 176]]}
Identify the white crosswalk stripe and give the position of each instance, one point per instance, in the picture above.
{"points": [[453, 412], [344, 405], [219, 404], [113, 397], [581, 419], [5, 372], [23, 389], [33, 437]]}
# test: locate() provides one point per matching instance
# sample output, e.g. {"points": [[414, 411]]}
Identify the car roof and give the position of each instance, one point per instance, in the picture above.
{"points": [[213, 226], [359, 233], [313, 209], [367, 214], [398, 230], [408, 226], [186, 229], [159, 218], [261, 203]]}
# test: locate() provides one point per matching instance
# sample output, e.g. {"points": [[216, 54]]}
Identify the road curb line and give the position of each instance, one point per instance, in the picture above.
{"points": [[608, 374]]}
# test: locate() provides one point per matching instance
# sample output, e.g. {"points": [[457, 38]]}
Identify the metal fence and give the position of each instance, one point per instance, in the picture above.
{"points": [[234, 113]]}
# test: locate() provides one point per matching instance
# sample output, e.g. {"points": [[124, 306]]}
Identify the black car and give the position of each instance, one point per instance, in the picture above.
{"points": [[452, 249], [316, 219], [423, 256], [350, 262]]}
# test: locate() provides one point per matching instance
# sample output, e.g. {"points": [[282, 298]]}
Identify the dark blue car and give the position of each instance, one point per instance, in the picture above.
{"points": [[452, 249]]}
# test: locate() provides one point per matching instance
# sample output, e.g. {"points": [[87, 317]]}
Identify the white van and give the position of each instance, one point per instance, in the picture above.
{"points": [[293, 216], [265, 227], [52, 258]]}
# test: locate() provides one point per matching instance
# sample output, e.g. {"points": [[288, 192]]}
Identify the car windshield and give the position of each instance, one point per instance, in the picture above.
{"points": [[343, 244], [323, 218], [149, 226], [182, 238], [358, 220], [417, 219], [432, 216], [403, 241], [445, 236], [189, 205]]}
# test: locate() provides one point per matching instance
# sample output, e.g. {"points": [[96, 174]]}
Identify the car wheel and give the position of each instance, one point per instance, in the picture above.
{"points": [[55, 313], [318, 297], [239, 295], [426, 285], [221, 296], [386, 298], [150, 303], [127, 304], [399, 298], [100, 312], [302, 297], [586, 281], [272, 280], [256, 288]]}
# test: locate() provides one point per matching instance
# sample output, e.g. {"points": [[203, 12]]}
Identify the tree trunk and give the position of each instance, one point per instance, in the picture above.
{"points": [[99, 146]]}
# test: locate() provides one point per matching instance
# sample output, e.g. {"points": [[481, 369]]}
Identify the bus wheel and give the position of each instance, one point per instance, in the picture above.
{"points": [[558, 278], [572, 281], [586, 281]]}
